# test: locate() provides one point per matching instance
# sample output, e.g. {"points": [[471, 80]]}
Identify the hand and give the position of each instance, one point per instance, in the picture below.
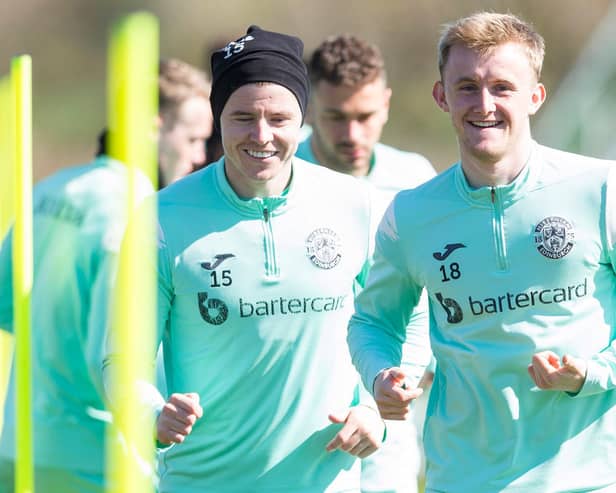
{"points": [[177, 418], [361, 434], [548, 373], [392, 395]]}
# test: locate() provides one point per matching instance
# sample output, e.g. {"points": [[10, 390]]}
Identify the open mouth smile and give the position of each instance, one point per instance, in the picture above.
{"points": [[260, 154]]}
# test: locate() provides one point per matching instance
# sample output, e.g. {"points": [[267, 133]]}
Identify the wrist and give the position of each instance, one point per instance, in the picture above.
{"points": [[379, 416], [377, 376]]}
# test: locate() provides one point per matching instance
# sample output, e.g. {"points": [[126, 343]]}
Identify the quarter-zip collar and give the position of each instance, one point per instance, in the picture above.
{"points": [[507, 194], [253, 207]]}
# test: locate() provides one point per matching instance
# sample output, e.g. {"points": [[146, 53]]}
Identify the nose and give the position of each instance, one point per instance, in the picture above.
{"points": [[351, 130], [262, 132], [486, 101]]}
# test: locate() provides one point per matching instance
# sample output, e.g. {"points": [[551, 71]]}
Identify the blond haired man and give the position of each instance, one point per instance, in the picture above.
{"points": [[515, 245]]}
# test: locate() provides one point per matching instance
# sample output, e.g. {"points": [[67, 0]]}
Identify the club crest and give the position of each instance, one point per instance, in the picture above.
{"points": [[323, 248], [554, 237]]}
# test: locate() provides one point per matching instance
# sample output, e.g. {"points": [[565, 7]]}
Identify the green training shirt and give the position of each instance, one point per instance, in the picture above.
{"points": [[79, 217], [395, 466], [393, 170], [510, 271], [254, 298]]}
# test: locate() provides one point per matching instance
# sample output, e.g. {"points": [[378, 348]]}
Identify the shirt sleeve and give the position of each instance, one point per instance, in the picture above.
{"points": [[148, 396], [416, 350], [601, 368], [98, 316], [379, 327]]}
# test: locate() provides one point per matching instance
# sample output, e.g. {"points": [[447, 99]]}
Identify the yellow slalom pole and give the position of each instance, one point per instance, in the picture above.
{"points": [[21, 84], [132, 110], [7, 207], [7, 212]]}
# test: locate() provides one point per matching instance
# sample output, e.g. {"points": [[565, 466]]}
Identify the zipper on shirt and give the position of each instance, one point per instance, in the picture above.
{"points": [[272, 269], [498, 228]]}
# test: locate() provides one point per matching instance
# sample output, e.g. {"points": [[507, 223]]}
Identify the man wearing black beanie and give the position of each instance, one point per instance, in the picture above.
{"points": [[259, 56], [258, 259]]}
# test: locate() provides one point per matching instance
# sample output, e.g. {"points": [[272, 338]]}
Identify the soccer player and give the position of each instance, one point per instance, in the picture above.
{"points": [[349, 106], [79, 214], [516, 247], [257, 263], [185, 120]]}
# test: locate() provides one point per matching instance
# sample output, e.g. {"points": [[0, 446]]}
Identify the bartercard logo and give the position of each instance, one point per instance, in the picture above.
{"points": [[213, 311], [290, 306], [451, 307], [510, 301], [216, 312]]}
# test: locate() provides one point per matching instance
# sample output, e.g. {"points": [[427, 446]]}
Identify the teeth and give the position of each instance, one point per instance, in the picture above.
{"points": [[485, 124], [261, 154]]}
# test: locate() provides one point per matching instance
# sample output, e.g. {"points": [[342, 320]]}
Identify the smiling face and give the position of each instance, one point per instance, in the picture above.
{"points": [[260, 127], [347, 122], [490, 98]]}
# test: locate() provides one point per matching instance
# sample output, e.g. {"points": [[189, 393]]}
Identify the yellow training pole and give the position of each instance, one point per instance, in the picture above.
{"points": [[7, 212], [132, 110], [7, 207], [21, 83]]}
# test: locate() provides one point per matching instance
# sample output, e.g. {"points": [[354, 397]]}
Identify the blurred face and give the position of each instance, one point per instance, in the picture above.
{"points": [[260, 126], [490, 99], [347, 122], [181, 144]]}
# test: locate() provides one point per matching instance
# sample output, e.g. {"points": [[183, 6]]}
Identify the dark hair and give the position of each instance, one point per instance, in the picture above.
{"points": [[346, 60]]}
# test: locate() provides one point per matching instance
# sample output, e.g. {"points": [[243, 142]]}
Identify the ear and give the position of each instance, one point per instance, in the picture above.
{"points": [[438, 93], [537, 98]]}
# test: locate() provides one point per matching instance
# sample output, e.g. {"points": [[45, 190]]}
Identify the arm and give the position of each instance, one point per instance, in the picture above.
{"points": [[416, 351], [173, 420], [574, 375], [601, 368], [383, 310], [98, 316]]}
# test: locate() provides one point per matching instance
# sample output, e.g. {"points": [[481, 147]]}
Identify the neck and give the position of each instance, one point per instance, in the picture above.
{"points": [[247, 188], [482, 171]]}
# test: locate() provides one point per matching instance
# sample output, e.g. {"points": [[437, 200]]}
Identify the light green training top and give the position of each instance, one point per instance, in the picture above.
{"points": [[254, 298], [79, 217], [510, 271], [393, 170]]}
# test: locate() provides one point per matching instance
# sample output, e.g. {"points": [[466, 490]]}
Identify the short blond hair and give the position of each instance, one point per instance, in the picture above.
{"points": [[178, 82], [483, 31]]}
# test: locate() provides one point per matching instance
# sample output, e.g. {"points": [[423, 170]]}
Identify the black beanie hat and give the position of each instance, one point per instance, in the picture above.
{"points": [[259, 56]]}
